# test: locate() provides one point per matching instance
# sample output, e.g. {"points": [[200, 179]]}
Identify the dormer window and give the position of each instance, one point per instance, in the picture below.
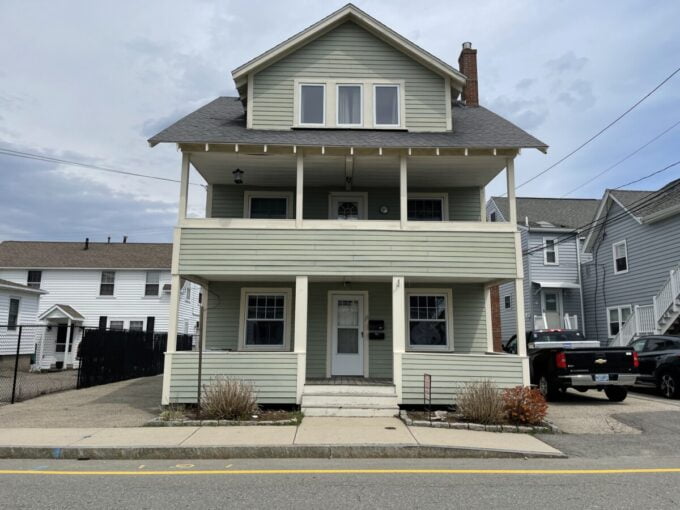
{"points": [[349, 105], [312, 104], [386, 105]]}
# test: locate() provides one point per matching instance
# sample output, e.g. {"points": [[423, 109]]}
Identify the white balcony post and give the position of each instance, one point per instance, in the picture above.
{"points": [[300, 340], [398, 330], [510, 176], [403, 190], [184, 187], [299, 189]]}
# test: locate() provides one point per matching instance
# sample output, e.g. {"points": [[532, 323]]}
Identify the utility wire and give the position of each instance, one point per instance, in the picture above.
{"points": [[49, 159], [596, 135], [621, 160]]}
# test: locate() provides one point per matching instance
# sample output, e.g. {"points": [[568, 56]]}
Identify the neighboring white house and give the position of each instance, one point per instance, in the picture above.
{"points": [[18, 305], [107, 285]]}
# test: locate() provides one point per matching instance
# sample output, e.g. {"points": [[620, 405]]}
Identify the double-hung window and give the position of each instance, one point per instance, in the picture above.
{"points": [[265, 319], [429, 320], [426, 207], [550, 255], [271, 205], [617, 316], [117, 325], [386, 105], [107, 283], [312, 104], [13, 316], [152, 286], [136, 325], [620, 252], [34, 279], [349, 105]]}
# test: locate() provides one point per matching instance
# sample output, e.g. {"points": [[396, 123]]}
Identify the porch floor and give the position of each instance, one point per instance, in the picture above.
{"points": [[352, 380]]}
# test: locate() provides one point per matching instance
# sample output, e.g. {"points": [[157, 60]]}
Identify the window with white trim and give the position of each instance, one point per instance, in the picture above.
{"points": [[265, 319], [136, 325], [107, 283], [620, 253], [116, 325], [13, 315], [550, 254], [271, 205], [349, 104], [616, 318], [34, 279], [428, 320], [386, 105], [312, 104], [427, 207], [152, 285]]}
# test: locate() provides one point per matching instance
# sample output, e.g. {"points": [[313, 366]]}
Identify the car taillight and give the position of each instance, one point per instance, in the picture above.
{"points": [[561, 360], [636, 360]]}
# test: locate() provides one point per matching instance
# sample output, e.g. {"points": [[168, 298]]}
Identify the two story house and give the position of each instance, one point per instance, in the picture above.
{"points": [[552, 256], [107, 285], [632, 283], [345, 250]]}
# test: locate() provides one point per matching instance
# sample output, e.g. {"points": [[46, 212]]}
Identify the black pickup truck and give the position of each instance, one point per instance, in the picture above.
{"points": [[561, 359]]}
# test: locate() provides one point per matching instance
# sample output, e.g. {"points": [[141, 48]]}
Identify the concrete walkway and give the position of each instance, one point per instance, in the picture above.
{"points": [[315, 437]]}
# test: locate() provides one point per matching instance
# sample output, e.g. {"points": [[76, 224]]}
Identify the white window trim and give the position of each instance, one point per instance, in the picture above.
{"points": [[248, 195], [444, 197], [545, 252], [448, 294], [625, 250], [361, 195], [618, 308], [101, 276], [9, 300], [399, 102], [146, 282], [298, 102], [117, 320], [361, 104], [287, 293]]}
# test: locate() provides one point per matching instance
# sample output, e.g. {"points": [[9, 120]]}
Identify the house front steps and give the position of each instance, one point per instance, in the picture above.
{"points": [[349, 400]]}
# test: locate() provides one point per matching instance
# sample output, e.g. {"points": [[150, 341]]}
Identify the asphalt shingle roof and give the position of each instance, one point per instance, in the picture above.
{"points": [[644, 203], [41, 254], [18, 286], [223, 121], [560, 212]]}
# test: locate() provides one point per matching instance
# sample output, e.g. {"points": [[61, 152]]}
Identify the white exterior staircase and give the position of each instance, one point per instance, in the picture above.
{"points": [[349, 400], [662, 316]]}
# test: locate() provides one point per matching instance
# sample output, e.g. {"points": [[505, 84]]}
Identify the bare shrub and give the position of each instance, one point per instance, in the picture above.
{"points": [[481, 402], [173, 412], [524, 405], [228, 399]]}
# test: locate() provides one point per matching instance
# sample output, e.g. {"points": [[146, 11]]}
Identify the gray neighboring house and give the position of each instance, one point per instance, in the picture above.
{"points": [[551, 261], [632, 284]]}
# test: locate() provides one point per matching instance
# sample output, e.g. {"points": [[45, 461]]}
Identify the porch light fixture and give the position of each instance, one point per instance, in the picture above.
{"points": [[238, 176], [384, 209]]}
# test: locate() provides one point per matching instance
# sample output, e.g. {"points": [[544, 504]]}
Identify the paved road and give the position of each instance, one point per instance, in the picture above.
{"points": [[317, 489]]}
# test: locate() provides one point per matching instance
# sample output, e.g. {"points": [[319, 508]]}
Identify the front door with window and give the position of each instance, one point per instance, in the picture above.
{"points": [[347, 335], [347, 206], [551, 308]]}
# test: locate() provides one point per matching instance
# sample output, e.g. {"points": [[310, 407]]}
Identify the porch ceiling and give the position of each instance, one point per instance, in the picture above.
{"points": [[368, 171]]}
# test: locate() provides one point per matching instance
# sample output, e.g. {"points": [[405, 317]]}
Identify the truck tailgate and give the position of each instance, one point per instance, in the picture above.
{"points": [[600, 361]]}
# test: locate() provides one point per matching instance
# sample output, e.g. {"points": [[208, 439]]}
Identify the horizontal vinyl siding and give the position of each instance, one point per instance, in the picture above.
{"points": [[450, 373], [348, 52], [334, 252], [566, 270], [28, 310], [274, 375]]}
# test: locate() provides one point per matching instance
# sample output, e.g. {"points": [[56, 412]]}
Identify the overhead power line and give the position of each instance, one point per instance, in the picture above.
{"points": [[600, 132], [49, 159]]}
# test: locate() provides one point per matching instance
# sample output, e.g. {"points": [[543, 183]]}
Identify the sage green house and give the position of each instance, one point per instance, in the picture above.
{"points": [[345, 242]]}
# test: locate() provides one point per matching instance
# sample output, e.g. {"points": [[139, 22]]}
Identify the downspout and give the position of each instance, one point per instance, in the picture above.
{"points": [[580, 282]]}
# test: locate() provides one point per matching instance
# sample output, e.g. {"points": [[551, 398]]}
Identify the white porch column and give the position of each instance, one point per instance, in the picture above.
{"points": [[510, 175], [67, 354], [482, 204], [403, 190], [300, 339], [299, 189], [184, 187], [521, 330], [173, 317], [489, 317], [398, 331]]}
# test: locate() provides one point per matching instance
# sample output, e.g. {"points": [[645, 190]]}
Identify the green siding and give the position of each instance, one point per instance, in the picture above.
{"points": [[464, 203], [273, 374], [348, 52], [450, 372], [211, 252]]}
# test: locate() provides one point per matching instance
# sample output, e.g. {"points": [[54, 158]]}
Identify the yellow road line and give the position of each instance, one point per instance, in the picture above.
{"points": [[347, 472]]}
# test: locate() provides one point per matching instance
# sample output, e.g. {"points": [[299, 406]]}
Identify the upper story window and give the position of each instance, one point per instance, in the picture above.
{"points": [[620, 251], [427, 207], [268, 204], [349, 105], [508, 302], [492, 216], [386, 105], [107, 283], [550, 254], [34, 279], [152, 286], [312, 104]]}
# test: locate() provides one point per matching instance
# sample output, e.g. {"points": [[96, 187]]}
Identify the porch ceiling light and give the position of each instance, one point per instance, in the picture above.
{"points": [[238, 176]]}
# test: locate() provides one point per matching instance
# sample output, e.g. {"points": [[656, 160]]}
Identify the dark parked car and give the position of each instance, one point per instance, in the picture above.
{"points": [[659, 363]]}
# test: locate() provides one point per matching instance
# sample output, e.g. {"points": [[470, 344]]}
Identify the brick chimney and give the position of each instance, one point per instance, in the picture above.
{"points": [[467, 64]]}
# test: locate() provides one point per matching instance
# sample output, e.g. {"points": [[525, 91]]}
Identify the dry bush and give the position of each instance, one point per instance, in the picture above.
{"points": [[228, 399], [173, 412], [524, 405], [481, 402]]}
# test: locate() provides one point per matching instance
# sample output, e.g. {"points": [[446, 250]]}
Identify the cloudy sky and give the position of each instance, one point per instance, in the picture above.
{"points": [[91, 81]]}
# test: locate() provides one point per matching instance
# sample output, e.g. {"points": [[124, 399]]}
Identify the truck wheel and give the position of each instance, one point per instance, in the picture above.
{"points": [[669, 386], [616, 393], [548, 389]]}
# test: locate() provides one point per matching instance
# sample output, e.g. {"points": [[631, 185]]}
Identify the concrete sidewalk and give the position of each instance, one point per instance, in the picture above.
{"points": [[314, 438]]}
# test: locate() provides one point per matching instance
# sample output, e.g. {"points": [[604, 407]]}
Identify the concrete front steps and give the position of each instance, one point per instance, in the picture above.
{"points": [[349, 400]]}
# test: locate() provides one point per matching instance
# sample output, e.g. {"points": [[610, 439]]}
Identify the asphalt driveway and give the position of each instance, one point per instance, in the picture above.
{"points": [[122, 404]]}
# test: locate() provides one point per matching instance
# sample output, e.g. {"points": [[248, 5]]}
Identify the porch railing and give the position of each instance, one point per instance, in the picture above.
{"points": [[568, 321]]}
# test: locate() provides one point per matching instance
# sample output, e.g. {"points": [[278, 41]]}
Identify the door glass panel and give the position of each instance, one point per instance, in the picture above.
{"points": [[348, 210], [551, 302], [348, 341], [348, 313]]}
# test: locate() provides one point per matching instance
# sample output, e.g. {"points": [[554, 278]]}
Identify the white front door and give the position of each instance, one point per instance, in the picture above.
{"points": [[347, 334], [551, 308]]}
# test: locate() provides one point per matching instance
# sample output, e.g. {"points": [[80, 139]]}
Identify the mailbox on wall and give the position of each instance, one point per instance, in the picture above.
{"points": [[376, 330]]}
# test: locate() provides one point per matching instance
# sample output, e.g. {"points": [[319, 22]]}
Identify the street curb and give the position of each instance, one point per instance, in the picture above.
{"points": [[262, 452]]}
